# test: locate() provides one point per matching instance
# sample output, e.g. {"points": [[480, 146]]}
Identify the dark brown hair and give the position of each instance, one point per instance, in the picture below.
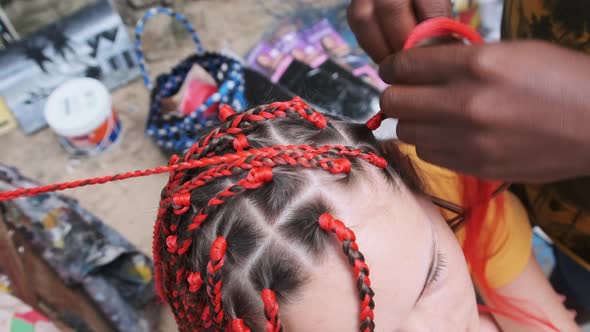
{"points": [[236, 244]]}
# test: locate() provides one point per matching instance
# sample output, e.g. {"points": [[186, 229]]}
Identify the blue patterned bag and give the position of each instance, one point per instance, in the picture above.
{"points": [[174, 133]]}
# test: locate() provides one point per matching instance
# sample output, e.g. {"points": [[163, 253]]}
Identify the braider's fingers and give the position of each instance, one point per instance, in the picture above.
{"points": [[396, 19], [424, 103], [450, 159], [426, 9], [430, 135], [429, 65], [363, 22]]}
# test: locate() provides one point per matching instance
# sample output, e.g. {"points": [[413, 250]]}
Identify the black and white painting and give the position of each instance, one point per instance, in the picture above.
{"points": [[92, 42], [7, 33]]}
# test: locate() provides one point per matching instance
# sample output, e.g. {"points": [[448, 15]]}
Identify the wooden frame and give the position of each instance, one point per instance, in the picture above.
{"points": [[36, 284]]}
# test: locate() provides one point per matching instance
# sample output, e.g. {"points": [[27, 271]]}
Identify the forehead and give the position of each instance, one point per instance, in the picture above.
{"points": [[394, 233]]}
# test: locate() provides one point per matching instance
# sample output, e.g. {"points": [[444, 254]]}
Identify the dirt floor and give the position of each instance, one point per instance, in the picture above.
{"points": [[130, 206]]}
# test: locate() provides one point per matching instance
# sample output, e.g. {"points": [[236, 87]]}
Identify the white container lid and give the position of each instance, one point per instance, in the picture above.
{"points": [[78, 107]]}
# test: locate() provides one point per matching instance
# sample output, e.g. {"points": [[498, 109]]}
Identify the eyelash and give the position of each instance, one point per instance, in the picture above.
{"points": [[441, 263]]}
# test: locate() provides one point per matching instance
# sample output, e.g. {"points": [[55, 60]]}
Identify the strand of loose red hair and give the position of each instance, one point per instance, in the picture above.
{"points": [[479, 196]]}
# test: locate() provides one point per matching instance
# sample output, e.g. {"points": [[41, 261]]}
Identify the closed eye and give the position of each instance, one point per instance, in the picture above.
{"points": [[441, 264]]}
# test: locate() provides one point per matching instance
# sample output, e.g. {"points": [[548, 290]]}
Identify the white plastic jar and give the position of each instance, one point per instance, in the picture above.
{"points": [[80, 112]]}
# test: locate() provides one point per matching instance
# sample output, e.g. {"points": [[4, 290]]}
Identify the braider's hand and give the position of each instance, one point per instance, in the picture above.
{"points": [[516, 111], [382, 26]]}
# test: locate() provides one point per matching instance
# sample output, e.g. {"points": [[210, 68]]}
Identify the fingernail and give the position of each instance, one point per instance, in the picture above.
{"points": [[386, 71]]}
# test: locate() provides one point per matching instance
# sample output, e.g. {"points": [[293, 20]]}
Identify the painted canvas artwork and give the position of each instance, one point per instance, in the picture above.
{"points": [[92, 42]]}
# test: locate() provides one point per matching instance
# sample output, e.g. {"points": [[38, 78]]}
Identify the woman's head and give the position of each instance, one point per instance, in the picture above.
{"points": [[280, 214]]}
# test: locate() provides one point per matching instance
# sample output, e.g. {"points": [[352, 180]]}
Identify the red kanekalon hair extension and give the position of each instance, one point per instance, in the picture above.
{"points": [[271, 311], [238, 325], [241, 123], [214, 282], [206, 320], [432, 28], [477, 193], [256, 178], [361, 270], [195, 281]]}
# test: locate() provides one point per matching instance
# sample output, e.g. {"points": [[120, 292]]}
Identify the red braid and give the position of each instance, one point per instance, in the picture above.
{"points": [[195, 282], [256, 178], [206, 320], [361, 270], [478, 195], [271, 311], [240, 124], [238, 325], [214, 282]]}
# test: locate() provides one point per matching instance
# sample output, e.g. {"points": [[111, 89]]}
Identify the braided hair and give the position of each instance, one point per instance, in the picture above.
{"points": [[238, 200], [223, 233], [228, 225], [246, 177]]}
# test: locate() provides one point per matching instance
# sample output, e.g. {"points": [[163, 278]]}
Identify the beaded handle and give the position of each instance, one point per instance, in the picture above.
{"points": [[139, 32]]}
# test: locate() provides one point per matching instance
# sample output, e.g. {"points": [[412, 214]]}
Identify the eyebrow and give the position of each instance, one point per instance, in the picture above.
{"points": [[430, 268]]}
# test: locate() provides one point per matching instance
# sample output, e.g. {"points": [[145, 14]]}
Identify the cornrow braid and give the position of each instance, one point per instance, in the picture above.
{"points": [[312, 158], [174, 180], [206, 321], [357, 260], [236, 126], [182, 201], [305, 156], [271, 311], [195, 281], [256, 178], [238, 325], [214, 282]]}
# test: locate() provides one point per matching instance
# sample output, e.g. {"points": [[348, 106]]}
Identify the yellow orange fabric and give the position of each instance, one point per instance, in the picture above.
{"points": [[511, 242]]}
